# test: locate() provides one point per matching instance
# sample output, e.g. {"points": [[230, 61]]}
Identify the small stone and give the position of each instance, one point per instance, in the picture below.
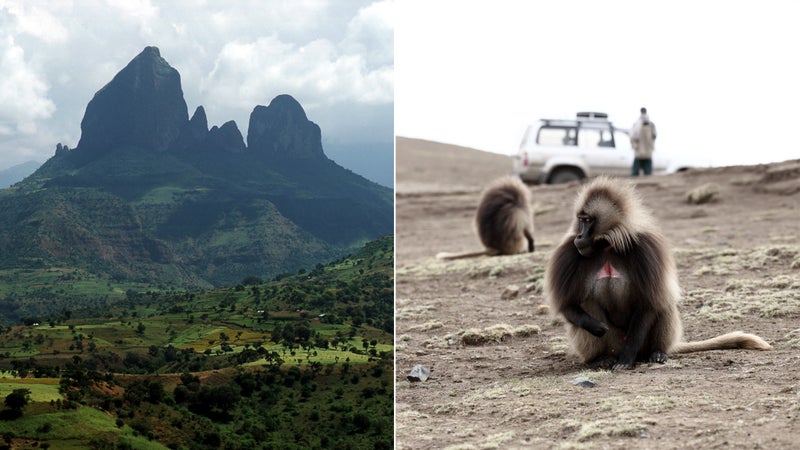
{"points": [[583, 382], [543, 309], [419, 373], [511, 291]]}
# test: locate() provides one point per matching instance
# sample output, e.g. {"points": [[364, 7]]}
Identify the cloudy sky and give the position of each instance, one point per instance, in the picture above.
{"points": [[335, 57], [720, 79]]}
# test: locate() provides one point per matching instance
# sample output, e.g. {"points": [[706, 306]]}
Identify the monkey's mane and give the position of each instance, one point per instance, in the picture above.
{"points": [[618, 211]]}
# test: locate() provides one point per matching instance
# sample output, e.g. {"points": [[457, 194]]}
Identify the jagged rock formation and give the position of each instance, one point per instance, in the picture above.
{"points": [[282, 131], [149, 194], [226, 138], [193, 132], [142, 106]]}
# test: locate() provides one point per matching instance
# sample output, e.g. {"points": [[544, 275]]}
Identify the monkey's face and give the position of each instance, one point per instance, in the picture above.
{"points": [[584, 240]]}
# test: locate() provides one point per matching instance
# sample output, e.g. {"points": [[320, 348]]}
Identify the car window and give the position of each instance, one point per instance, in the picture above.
{"points": [[595, 137], [556, 136], [622, 140], [588, 137]]}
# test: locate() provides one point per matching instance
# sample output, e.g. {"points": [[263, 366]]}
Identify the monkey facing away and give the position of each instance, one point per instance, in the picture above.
{"points": [[614, 280], [504, 220]]}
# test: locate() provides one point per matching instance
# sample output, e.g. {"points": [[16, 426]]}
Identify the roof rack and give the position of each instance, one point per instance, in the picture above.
{"points": [[592, 115]]}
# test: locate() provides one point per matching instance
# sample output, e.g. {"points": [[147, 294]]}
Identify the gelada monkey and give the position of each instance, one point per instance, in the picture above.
{"points": [[504, 220], [614, 281]]}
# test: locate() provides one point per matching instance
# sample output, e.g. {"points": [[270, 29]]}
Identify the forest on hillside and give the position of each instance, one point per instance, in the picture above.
{"points": [[254, 365]]}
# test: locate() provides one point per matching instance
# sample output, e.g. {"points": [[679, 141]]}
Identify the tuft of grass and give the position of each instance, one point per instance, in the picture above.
{"points": [[428, 326], [413, 311], [746, 291], [702, 194], [771, 297], [621, 425], [520, 388], [496, 333]]}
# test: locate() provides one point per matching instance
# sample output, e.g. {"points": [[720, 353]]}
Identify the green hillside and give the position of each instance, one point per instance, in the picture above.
{"points": [[256, 365], [152, 218], [150, 196]]}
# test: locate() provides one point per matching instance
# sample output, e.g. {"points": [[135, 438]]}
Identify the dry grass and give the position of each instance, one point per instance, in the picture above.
{"points": [[496, 334]]}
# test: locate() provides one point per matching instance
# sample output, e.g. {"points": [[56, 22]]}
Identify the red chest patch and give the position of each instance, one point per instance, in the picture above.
{"points": [[607, 271]]}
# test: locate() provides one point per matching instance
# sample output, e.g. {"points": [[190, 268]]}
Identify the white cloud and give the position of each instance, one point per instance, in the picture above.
{"points": [[370, 33], [141, 12], [317, 71], [291, 19], [37, 22], [334, 57], [23, 94]]}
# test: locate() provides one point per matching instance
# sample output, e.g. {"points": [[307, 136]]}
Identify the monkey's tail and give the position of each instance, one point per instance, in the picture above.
{"points": [[733, 340], [446, 255]]}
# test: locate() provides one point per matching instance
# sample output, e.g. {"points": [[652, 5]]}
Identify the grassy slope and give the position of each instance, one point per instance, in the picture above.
{"points": [[200, 321]]}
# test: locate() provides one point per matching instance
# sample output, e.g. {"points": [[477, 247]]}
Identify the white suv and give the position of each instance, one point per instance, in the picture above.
{"points": [[562, 150]]}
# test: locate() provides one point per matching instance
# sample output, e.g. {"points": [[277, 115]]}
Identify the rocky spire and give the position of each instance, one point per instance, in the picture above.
{"points": [[193, 132], [226, 138], [282, 131], [142, 106]]}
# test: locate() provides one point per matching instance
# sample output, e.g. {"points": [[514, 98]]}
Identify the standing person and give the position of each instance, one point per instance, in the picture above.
{"points": [[643, 141]]}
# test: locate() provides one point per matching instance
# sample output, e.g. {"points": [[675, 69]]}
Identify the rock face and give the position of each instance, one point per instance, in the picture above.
{"points": [[142, 106], [282, 131], [196, 137], [193, 132], [226, 138]]}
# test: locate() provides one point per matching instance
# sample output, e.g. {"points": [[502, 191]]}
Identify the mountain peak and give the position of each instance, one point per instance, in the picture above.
{"points": [[282, 131], [226, 138], [287, 105], [151, 51], [142, 106], [199, 119]]}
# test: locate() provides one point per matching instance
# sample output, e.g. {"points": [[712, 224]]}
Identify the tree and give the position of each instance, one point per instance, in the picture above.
{"points": [[217, 401], [18, 400]]}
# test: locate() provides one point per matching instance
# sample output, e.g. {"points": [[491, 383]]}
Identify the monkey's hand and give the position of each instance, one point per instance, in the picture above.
{"points": [[596, 327], [578, 317]]}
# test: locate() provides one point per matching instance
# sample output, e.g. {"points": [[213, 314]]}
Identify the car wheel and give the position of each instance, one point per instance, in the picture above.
{"points": [[565, 175]]}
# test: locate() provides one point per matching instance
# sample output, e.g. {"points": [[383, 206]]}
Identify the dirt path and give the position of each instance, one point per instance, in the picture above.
{"points": [[500, 369]]}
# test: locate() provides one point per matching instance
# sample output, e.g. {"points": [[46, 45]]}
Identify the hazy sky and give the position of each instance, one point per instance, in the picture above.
{"points": [[721, 80], [335, 57]]}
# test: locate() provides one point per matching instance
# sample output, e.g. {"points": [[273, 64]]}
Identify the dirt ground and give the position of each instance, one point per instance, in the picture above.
{"points": [[501, 372]]}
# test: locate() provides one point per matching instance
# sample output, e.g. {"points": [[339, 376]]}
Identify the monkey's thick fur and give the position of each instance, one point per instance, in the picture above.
{"points": [[614, 280], [503, 220]]}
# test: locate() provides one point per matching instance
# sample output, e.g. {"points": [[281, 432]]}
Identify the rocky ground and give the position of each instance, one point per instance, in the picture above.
{"points": [[501, 372]]}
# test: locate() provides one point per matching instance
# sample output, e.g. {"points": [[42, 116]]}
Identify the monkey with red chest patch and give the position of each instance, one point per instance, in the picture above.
{"points": [[614, 280]]}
